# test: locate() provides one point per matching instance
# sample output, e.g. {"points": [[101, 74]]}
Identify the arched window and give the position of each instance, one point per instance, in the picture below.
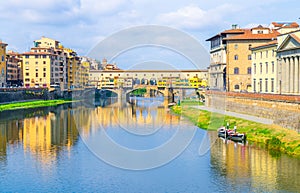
{"points": [[237, 87], [236, 70], [236, 57]]}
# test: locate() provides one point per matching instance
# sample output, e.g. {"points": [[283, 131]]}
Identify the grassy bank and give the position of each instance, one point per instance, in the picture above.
{"points": [[274, 137], [32, 104]]}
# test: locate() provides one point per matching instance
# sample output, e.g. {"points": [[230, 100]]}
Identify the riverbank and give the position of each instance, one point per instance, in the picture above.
{"points": [[272, 136], [32, 104]]}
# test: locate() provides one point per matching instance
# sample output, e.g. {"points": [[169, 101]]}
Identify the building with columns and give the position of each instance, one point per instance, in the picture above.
{"points": [[288, 53]]}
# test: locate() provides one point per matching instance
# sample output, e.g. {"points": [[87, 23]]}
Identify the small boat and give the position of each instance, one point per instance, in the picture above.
{"points": [[223, 132], [237, 136]]}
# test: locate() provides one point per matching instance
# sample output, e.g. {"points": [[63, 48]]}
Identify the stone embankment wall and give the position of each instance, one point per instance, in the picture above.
{"points": [[20, 94], [284, 110]]}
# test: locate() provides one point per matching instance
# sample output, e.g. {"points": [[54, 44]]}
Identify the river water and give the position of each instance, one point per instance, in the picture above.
{"points": [[67, 149]]}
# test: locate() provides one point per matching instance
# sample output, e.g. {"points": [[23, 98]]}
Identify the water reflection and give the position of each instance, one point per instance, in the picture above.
{"points": [[47, 141], [243, 164], [41, 133]]}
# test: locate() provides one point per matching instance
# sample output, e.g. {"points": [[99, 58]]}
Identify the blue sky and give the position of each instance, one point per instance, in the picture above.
{"points": [[82, 24]]}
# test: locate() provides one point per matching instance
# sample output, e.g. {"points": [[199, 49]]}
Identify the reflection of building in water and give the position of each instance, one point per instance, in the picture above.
{"points": [[10, 133], [37, 137], [238, 162], [131, 117], [42, 136]]}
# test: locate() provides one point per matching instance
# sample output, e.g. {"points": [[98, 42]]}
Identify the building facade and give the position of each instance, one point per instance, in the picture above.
{"points": [[2, 64], [49, 64], [288, 53], [14, 69], [147, 77], [218, 58], [239, 56], [264, 68]]}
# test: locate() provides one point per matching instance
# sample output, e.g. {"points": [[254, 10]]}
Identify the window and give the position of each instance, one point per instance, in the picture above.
{"points": [[26, 62], [36, 62], [260, 68], [36, 74], [255, 55], [267, 67], [249, 70], [260, 54], [36, 56], [236, 57], [237, 87], [267, 53], [254, 85], [249, 57], [250, 46], [44, 62], [44, 75], [254, 68], [266, 84], [273, 67], [44, 69], [273, 53], [27, 74], [2, 58], [260, 85], [236, 46], [27, 79], [26, 56], [44, 56], [236, 70], [272, 84]]}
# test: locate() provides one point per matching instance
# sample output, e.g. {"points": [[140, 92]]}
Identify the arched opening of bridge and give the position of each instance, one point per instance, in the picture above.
{"points": [[104, 97]]}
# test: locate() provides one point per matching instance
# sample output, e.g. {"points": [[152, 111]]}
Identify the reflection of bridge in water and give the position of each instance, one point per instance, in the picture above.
{"points": [[154, 91]]}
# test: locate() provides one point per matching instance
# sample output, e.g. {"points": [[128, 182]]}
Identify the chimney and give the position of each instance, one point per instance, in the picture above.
{"points": [[234, 26]]}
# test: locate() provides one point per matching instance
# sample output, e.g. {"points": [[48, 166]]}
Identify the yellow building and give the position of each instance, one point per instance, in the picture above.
{"points": [[2, 64], [239, 58], [264, 68], [49, 64], [45, 42], [37, 69]]}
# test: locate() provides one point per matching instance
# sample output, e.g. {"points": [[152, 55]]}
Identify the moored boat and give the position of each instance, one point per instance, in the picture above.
{"points": [[223, 132], [237, 137]]}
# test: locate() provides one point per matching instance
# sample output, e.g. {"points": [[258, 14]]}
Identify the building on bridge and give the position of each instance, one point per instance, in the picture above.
{"points": [[128, 78]]}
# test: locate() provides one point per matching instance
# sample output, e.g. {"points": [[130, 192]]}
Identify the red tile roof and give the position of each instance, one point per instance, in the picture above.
{"points": [[233, 31], [285, 24], [248, 35], [37, 53]]}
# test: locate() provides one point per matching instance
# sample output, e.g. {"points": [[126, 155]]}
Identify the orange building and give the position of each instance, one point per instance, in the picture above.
{"points": [[239, 59]]}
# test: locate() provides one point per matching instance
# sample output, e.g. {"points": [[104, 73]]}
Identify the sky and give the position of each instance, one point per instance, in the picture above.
{"points": [[83, 24]]}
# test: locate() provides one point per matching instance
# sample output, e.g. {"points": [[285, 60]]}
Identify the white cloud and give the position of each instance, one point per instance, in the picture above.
{"points": [[193, 17]]}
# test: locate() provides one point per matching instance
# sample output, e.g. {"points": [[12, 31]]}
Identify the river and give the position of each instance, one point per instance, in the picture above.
{"points": [[137, 147]]}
